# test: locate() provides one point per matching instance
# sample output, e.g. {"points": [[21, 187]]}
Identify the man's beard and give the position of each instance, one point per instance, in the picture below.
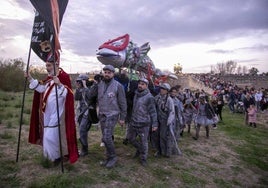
{"points": [[106, 80], [140, 89]]}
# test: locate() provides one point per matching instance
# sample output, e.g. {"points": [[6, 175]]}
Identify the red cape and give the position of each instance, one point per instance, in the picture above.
{"points": [[36, 124]]}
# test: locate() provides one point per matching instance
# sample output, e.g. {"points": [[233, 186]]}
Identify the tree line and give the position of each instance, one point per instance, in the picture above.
{"points": [[231, 67], [12, 74]]}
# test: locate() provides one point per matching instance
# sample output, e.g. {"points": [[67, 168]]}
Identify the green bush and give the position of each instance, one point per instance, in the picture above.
{"points": [[12, 74], [12, 78]]}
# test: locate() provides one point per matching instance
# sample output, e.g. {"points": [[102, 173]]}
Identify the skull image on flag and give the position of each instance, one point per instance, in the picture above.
{"points": [[45, 35]]}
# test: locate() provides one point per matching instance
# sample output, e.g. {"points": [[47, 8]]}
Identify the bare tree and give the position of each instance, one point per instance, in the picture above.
{"points": [[244, 70], [223, 68], [230, 67], [212, 71], [239, 69], [220, 68]]}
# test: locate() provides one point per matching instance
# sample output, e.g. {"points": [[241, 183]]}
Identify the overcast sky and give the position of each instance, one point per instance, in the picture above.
{"points": [[194, 33]]}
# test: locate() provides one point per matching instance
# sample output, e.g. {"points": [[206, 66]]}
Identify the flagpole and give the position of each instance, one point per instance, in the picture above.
{"points": [[58, 116], [23, 101], [57, 106]]}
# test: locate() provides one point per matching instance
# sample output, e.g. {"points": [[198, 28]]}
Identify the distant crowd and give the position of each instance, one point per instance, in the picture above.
{"points": [[234, 95]]}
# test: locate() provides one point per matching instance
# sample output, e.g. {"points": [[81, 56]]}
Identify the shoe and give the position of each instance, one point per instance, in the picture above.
{"points": [[83, 153], [144, 162], [137, 154], [56, 162], [157, 154], [195, 138], [65, 158], [111, 162], [125, 141], [102, 144], [103, 163]]}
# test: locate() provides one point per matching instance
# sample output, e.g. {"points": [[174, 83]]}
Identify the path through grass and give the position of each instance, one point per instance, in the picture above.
{"points": [[235, 156]]}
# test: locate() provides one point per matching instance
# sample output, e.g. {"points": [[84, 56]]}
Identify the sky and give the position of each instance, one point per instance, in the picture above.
{"points": [[197, 34]]}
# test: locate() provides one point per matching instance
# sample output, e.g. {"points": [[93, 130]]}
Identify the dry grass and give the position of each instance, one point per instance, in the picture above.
{"points": [[214, 162]]}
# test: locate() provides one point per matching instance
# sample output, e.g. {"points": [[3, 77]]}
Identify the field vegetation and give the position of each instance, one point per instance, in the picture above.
{"points": [[235, 155]]}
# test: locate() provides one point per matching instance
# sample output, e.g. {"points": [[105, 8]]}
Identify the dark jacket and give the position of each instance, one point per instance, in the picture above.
{"points": [[144, 109], [209, 111]]}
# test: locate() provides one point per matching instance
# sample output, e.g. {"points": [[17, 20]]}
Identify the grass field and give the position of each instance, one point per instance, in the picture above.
{"points": [[235, 155]]}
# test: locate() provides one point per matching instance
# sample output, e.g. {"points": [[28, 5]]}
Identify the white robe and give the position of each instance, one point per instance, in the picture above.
{"points": [[51, 146]]}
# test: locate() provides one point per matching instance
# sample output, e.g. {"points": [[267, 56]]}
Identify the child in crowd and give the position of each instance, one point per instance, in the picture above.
{"points": [[214, 105], [188, 113], [252, 115]]}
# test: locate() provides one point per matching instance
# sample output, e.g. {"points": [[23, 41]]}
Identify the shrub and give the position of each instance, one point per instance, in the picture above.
{"points": [[12, 76]]}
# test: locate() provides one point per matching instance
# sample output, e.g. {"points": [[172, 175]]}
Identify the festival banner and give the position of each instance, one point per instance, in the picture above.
{"points": [[48, 18]]}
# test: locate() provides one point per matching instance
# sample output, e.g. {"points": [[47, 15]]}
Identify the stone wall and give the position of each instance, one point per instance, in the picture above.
{"points": [[247, 80], [240, 80], [187, 81]]}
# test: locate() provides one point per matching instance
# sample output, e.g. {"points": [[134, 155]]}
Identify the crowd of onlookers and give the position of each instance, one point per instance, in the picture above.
{"points": [[235, 96]]}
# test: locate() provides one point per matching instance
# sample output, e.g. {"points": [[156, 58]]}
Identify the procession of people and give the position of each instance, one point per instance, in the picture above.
{"points": [[155, 118]]}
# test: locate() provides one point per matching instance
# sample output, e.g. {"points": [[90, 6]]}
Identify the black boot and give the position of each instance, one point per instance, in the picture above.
{"points": [[189, 128], [111, 162], [181, 134], [144, 162], [84, 150], [207, 131], [137, 154]]}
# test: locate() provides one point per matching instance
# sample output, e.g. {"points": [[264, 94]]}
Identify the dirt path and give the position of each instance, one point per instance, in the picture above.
{"points": [[204, 163]]}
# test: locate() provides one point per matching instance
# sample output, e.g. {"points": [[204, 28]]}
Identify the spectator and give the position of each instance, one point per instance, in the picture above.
{"points": [[252, 115], [231, 100], [249, 100], [188, 114]]}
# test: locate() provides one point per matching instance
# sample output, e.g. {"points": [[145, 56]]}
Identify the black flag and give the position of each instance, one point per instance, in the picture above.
{"points": [[48, 17]]}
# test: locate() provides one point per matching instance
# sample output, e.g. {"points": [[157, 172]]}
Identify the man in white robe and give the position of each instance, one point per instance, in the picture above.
{"points": [[44, 129]]}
